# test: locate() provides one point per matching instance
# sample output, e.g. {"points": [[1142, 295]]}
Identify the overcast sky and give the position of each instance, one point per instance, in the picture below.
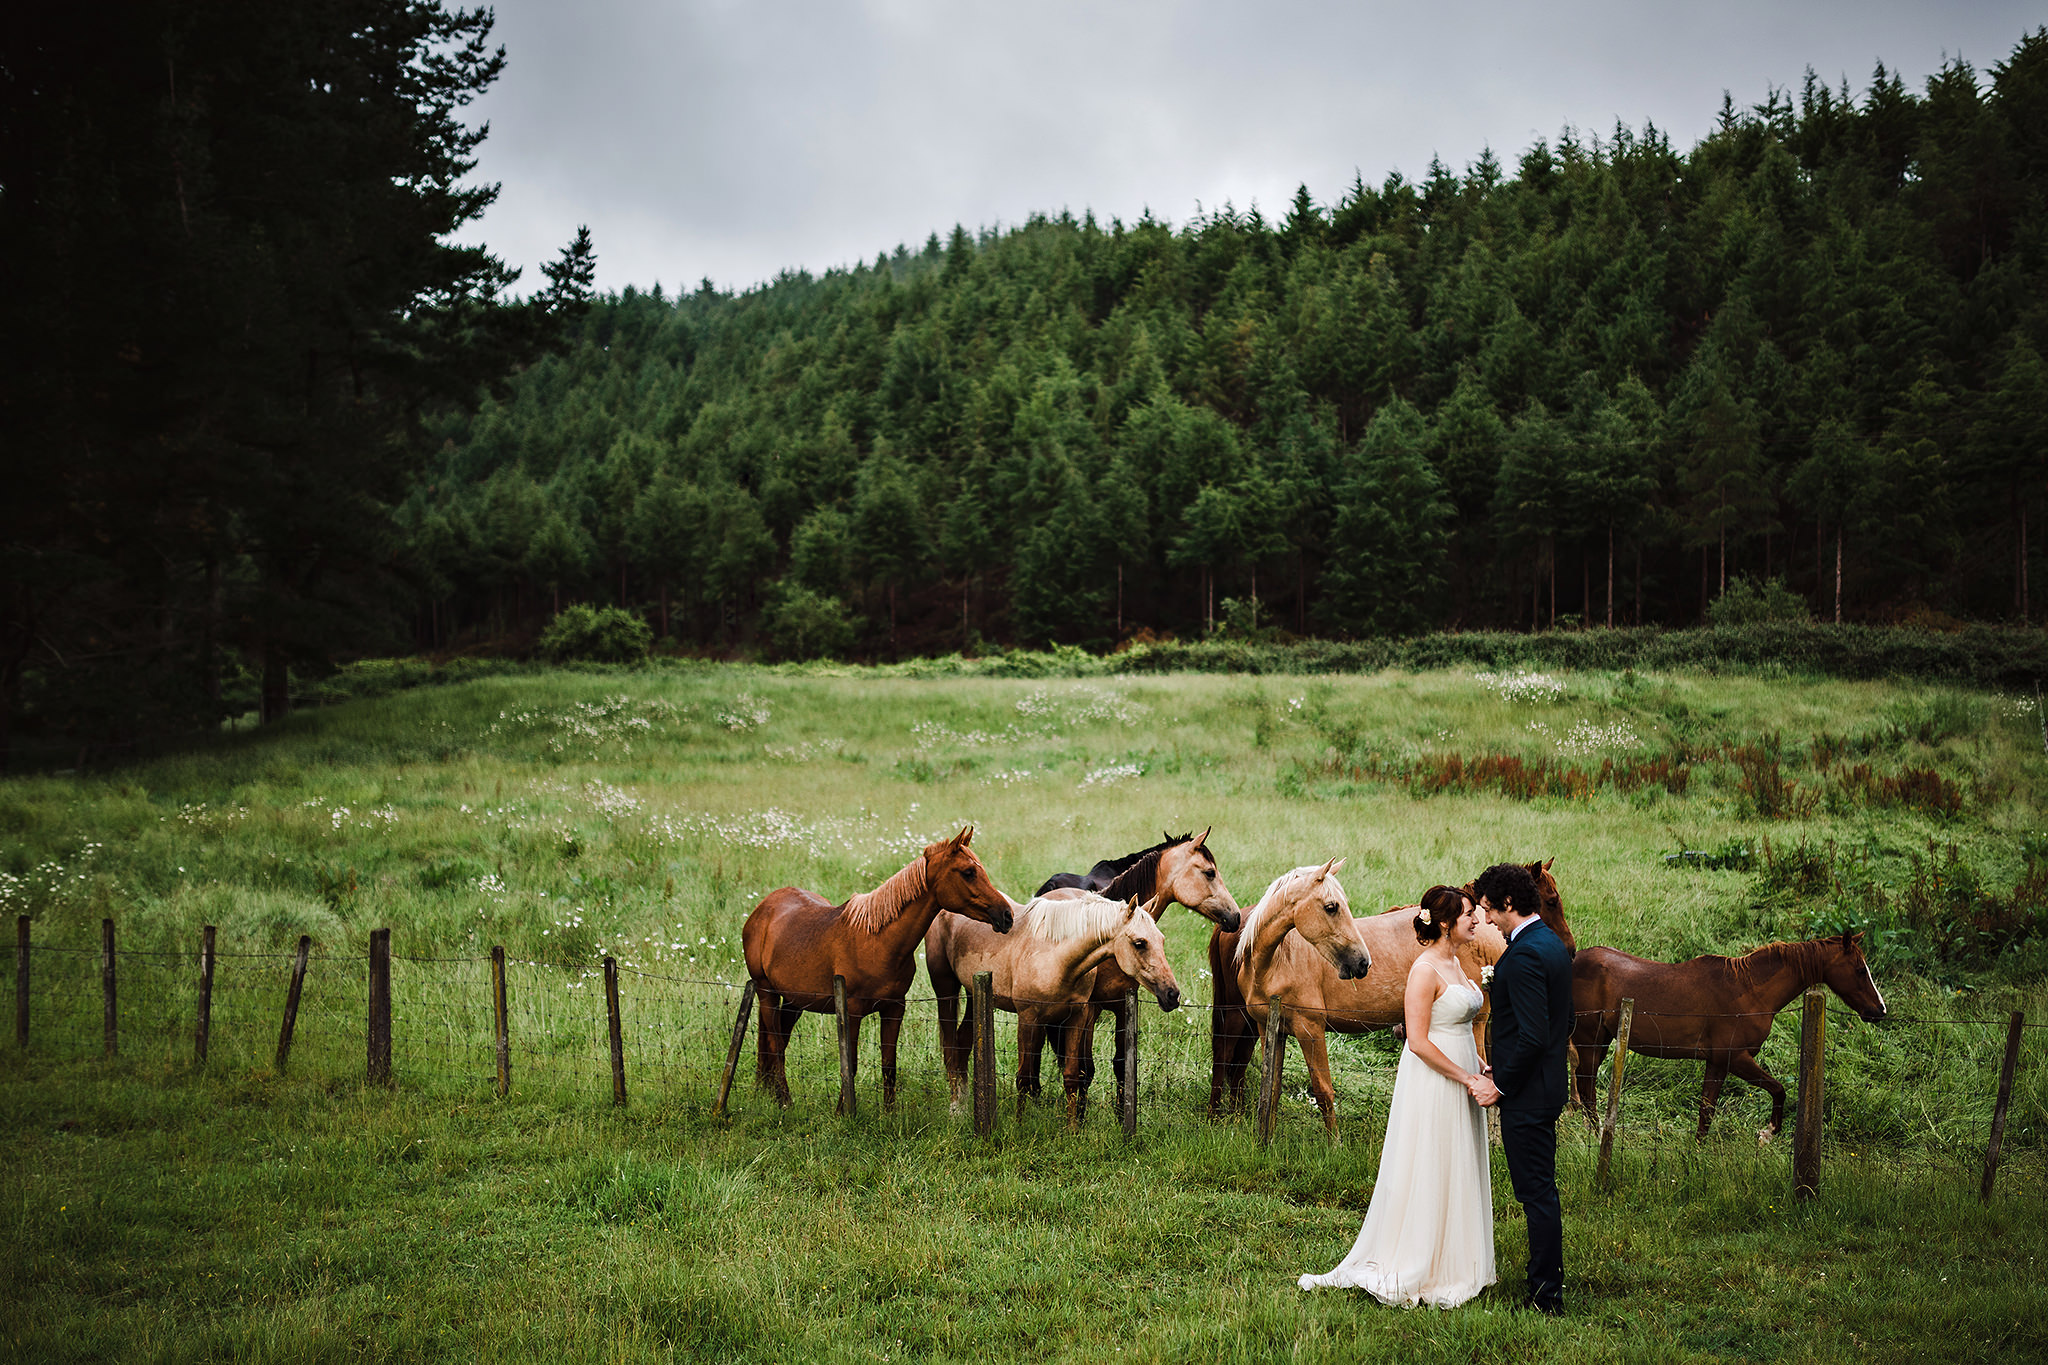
{"points": [[733, 139]]}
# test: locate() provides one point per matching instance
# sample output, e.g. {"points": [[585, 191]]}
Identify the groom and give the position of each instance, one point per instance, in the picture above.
{"points": [[1532, 1026]]}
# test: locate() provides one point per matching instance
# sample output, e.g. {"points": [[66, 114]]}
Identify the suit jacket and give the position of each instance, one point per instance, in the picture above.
{"points": [[1532, 1020]]}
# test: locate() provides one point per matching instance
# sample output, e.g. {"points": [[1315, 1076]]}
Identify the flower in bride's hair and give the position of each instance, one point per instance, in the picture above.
{"points": [[1486, 975], [1424, 917]]}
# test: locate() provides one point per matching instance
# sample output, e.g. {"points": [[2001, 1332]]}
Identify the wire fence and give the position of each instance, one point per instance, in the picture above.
{"points": [[1910, 1100]]}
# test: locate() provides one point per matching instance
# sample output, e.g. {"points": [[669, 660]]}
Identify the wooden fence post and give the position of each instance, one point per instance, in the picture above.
{"points": [[291, 1003], [112, 1020], [204, 1028], [2005, 1075], [1127, 1084], [849, 1041], [611, 1008], [1813, 1024], [379, 1069], [1275, 1058], [21, 981], [732, 1051], [1628, 1011], [504, 1029], [981, 1006]]}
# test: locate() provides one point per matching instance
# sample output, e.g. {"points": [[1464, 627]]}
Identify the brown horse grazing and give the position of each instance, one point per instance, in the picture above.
{"points": [[1178, 872], [1301, 926], [1319, 1002], [796, 941], [1713, 1009], [1043, 973]]}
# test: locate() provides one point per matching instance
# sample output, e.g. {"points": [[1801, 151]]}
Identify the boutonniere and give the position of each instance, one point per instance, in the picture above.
{"points": [[1486, 975]]}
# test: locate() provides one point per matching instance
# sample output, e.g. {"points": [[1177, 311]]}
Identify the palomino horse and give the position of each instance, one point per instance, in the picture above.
{"points": [[1043, 973], [796, 941], [1177, 872], [1319, 1002], [1303, 916], [1712, 1009]]}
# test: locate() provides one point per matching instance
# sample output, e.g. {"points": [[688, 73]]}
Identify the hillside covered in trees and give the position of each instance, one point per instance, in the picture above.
{"points": [[1596, 385]]}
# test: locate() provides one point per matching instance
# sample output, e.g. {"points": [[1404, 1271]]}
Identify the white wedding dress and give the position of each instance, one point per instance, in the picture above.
{"points": [[1428, 1233]]}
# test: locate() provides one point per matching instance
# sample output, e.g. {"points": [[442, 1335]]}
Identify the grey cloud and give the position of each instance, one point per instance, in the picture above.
{"points": [[737, 140]]}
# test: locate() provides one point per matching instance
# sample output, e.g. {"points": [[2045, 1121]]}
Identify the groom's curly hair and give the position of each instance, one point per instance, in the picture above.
{"points": [[1441, 904], [1505, 882]]}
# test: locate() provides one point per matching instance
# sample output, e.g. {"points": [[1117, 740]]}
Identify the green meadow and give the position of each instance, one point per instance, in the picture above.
{"points": [[161, 1210]]}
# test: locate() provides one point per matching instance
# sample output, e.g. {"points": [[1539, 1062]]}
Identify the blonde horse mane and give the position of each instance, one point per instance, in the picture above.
{"points": [[871, 910], [1073, 917], [1250, 925]]}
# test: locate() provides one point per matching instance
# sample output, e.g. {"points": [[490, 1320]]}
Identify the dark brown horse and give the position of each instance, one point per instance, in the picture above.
{"points": [[796, 941], [1177, 872], [1712, 1009], [1320, 1002]]}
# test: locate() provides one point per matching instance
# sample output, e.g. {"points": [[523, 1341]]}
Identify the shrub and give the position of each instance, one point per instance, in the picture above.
{"points": [[606, 635], [1747, 602], [802, 624]]}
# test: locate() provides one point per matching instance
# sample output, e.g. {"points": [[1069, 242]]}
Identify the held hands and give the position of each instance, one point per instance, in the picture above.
{"points": [[1483, 1091]]}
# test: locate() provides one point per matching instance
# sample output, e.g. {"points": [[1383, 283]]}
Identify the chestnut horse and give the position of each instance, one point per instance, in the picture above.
{"points": [[1713, 1009], [796, 941], [1177, 872], [1043, 972], [1319, 1002]]}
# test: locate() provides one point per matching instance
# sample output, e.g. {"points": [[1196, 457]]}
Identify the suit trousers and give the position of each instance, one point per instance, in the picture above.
{"points": [[1529, 1137]]}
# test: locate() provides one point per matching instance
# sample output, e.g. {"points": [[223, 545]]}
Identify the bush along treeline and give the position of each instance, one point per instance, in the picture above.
{"points": [[1608, 384]]}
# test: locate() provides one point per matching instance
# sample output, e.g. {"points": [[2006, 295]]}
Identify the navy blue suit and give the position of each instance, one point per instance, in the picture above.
{"points": [[1532, 1027]]}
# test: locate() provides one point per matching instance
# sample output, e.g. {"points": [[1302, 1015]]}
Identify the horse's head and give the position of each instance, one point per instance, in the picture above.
{"points": [[1550, 905], [1847, 972], [1319, 911], [961, 884], [1189, 876], [1141, 951]]}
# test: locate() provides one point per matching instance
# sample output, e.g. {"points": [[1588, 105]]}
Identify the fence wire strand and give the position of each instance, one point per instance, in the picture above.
{"points": [[1902, 1106]]}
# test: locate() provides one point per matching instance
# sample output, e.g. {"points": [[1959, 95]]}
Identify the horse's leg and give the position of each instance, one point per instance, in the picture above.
{"points": [[1745, 1066], [1710, 1089], [1315, 1052], [1230, 1052], [1075, 1082], [956, 1041], [1586, 1076], [1081, 1024], [1116, 1055], [892, 1024], [775, 1030], [1030, 1043]]}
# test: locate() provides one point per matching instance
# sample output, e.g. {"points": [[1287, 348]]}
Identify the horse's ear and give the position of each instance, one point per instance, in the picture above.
{"points": [[1852, 940], [1331, 868], [1203, 837], [1553, 859], [964, 837]]}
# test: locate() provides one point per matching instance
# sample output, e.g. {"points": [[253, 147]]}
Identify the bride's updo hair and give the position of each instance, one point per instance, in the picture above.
{"points": [[1440, 905]]}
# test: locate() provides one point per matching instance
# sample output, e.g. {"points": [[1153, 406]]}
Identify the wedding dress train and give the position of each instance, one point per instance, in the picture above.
{"points": [[1428, 1233]]}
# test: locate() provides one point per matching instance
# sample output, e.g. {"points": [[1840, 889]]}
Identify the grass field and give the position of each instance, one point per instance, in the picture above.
{"points": [[163, 1212]]}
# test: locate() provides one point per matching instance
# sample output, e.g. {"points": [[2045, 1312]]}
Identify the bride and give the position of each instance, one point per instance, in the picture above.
{"points": [[1428, 1234]]}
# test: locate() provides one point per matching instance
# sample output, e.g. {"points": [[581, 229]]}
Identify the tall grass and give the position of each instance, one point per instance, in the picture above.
{"points": [[569, 815]]}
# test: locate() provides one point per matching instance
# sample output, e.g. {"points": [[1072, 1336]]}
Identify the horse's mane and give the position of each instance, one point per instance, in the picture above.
{"points": [[1141, 871], [1249, 926], [871, 910], [1806, 955], [1072, 918]]}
